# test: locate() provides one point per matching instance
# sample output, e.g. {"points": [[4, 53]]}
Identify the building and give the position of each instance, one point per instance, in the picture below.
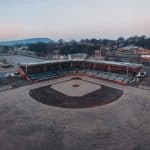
{"points": [[145, 59], [119, 72], [130, 54]]}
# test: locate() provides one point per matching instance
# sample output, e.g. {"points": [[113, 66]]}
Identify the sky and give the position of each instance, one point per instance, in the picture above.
{"points": [[73, 19]]}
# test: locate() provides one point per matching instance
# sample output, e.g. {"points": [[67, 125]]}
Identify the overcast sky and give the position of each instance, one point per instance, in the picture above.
{"points": [[73, 19]]}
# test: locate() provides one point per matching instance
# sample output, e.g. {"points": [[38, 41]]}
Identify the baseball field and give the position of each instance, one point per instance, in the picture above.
{"points": [[61, 114]]}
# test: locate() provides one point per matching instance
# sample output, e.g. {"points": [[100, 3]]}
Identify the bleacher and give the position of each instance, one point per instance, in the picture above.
{"points": [[120, 78], [42, 76], [119, 72], [125, 79]]}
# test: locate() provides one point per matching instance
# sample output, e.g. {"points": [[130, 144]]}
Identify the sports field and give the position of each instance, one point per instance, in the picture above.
{"points": [[27, 124], [75, 93]]}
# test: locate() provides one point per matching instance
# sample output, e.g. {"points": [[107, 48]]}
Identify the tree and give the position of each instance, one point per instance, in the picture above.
{"points": [[40, 48]]}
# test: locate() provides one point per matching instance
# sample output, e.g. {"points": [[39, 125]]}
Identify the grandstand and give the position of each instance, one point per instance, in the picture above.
{"points": [[119, 72]]}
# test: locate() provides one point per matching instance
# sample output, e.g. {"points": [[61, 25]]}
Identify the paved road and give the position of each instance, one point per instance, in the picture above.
{"points": [[18, 59], [26, 124], [8, 70]]}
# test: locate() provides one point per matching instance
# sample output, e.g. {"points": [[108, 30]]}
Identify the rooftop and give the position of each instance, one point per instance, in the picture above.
{"points": [[86, 60]]}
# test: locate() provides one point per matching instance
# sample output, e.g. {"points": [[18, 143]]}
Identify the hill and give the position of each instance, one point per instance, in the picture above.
{"points": [[26, 41]]}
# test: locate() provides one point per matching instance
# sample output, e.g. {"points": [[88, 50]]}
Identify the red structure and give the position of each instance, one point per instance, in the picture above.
{"points": [[108, 70], [142, 51], [145, 59]]}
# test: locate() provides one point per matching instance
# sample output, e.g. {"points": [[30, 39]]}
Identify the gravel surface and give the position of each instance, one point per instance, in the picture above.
{"points": [[26, 124]]}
